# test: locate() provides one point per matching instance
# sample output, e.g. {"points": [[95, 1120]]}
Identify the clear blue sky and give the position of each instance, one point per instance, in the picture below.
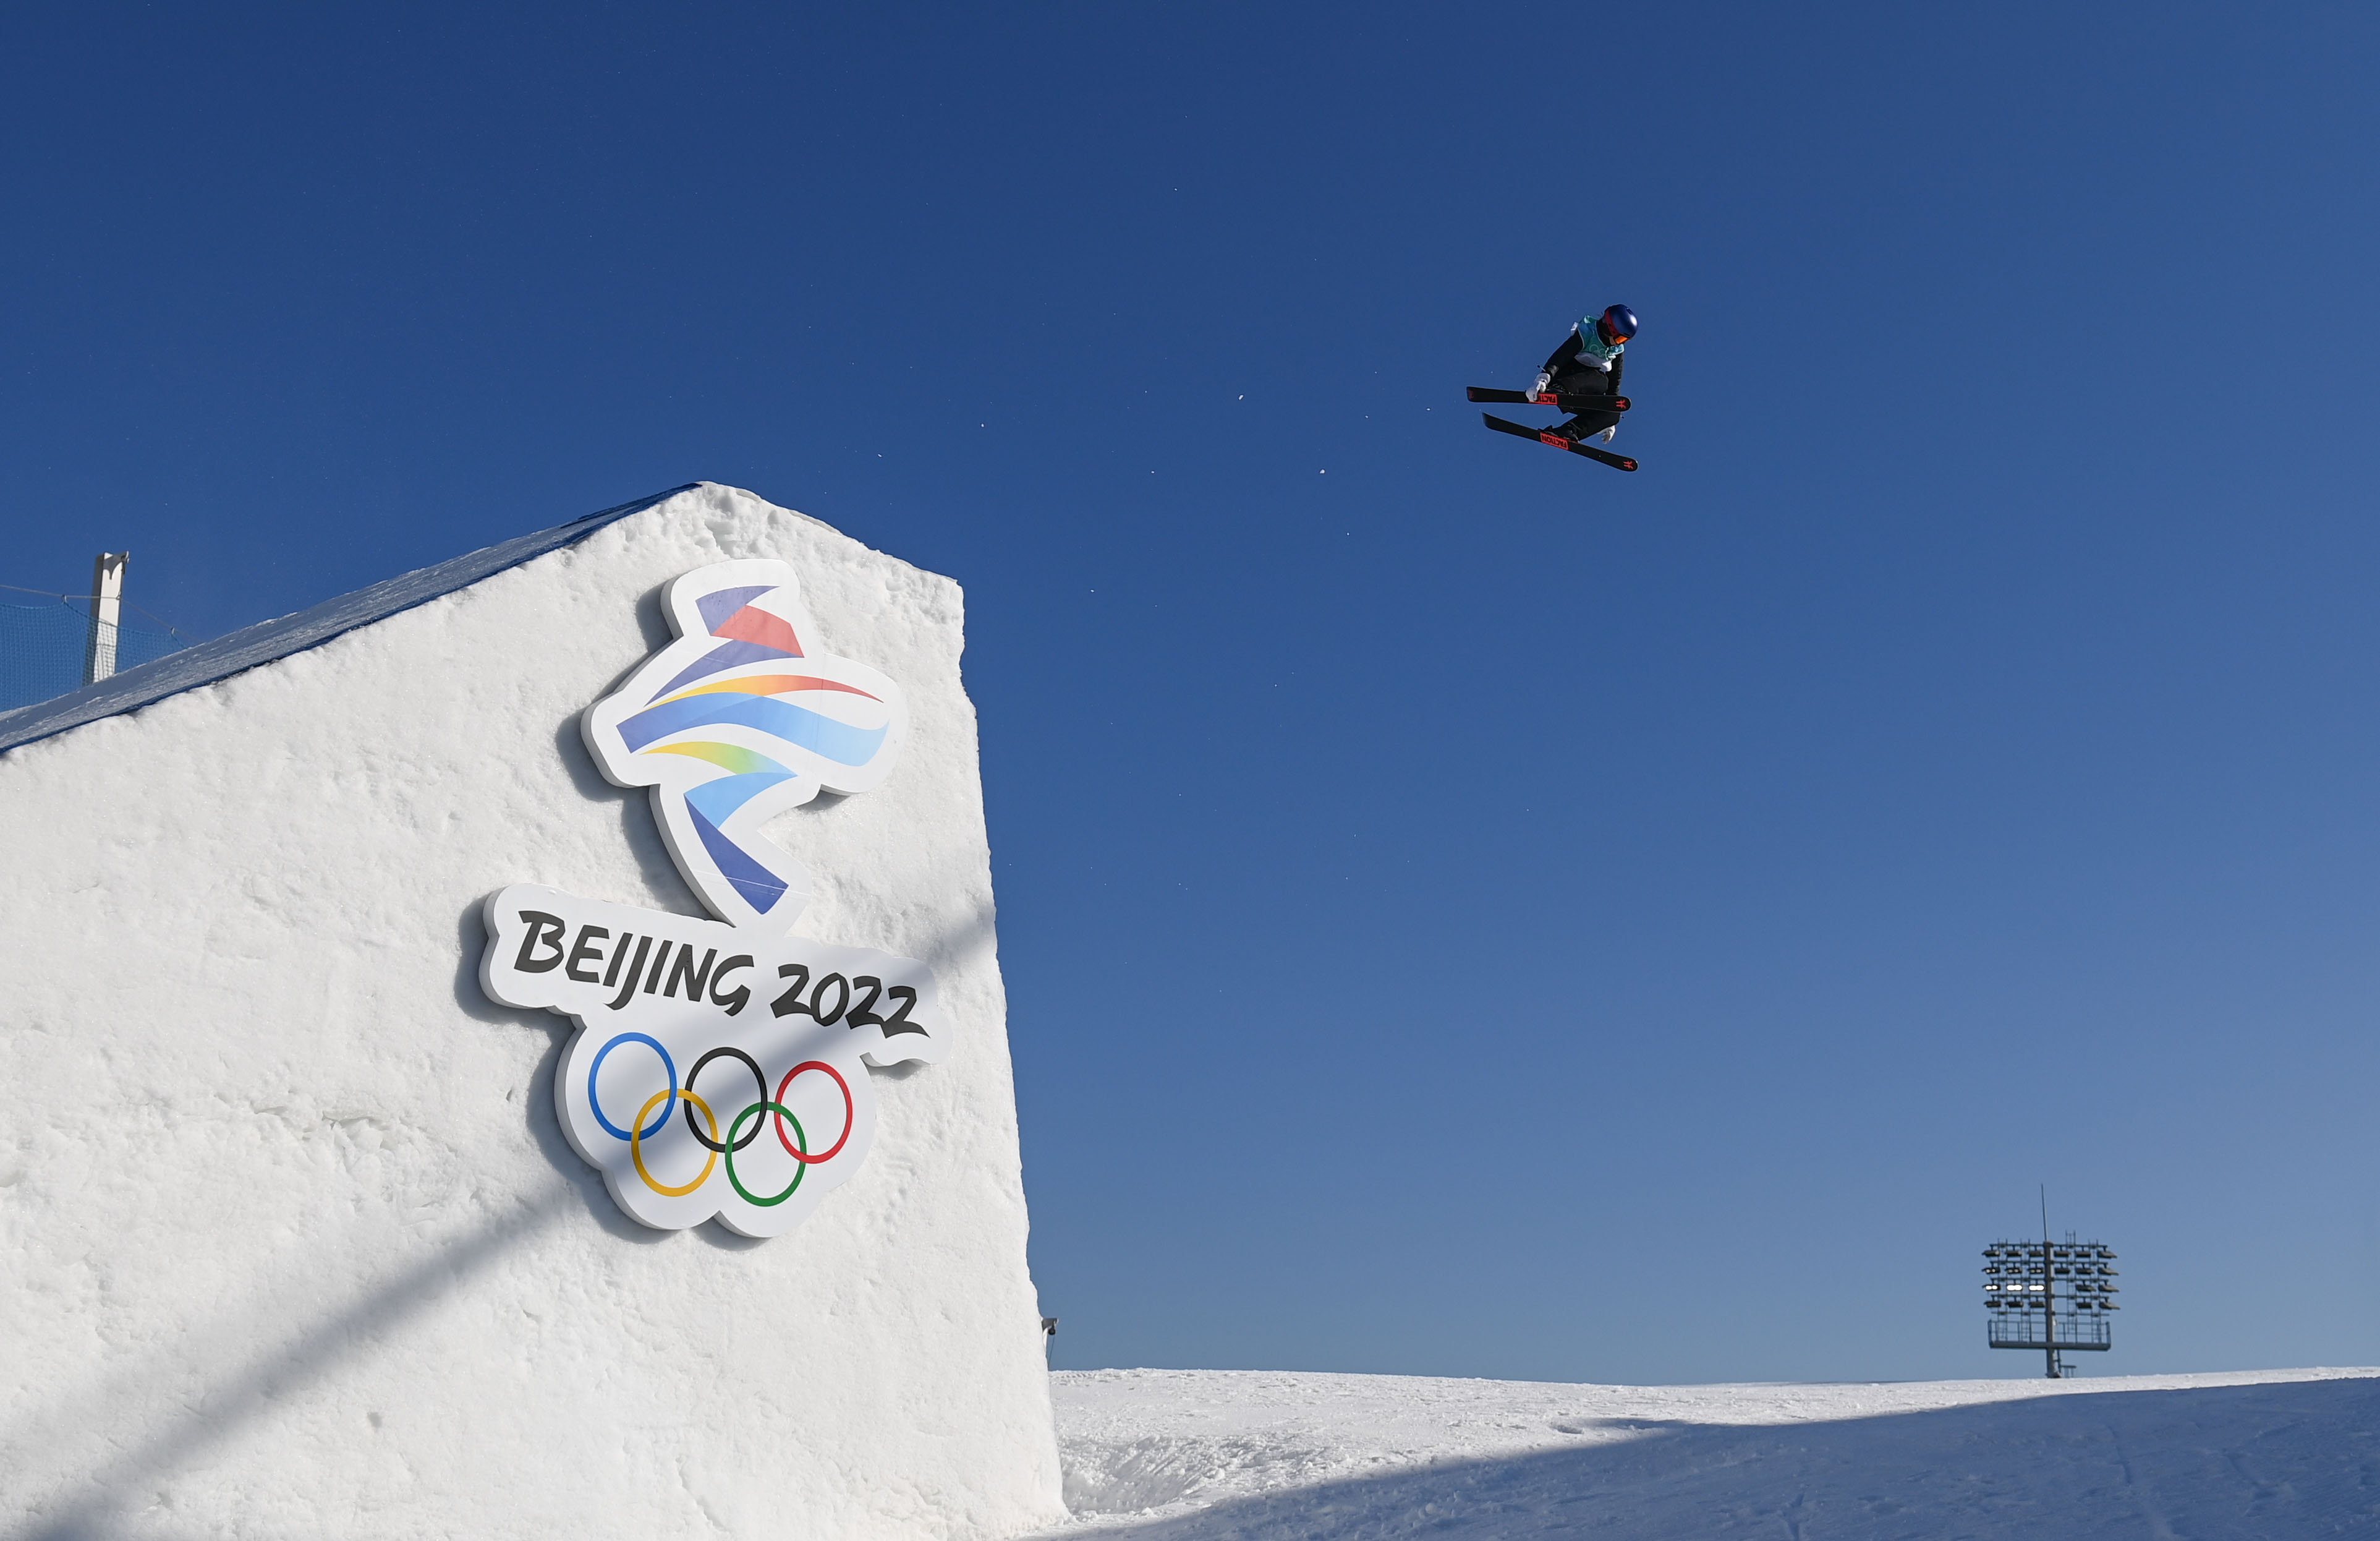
{"points": [[1465, 909]]}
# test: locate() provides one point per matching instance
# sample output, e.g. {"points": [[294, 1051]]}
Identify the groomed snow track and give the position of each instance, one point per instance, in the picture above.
{"points": [[1157, 1455]]}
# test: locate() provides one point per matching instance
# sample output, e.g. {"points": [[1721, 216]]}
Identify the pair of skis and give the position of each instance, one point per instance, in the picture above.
{"points": [[1573, 404]]}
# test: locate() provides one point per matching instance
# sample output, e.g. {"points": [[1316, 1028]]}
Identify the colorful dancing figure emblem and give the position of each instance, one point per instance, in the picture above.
{"points": [[741, 718], [720, 1067]]}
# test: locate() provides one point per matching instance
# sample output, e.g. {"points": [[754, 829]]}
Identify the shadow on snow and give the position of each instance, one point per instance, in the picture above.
{"points": [[2208, 1463]]}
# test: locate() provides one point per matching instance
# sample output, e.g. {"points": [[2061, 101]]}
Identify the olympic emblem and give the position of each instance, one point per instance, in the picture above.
{"points": [[742, 718], [720, 1068]]}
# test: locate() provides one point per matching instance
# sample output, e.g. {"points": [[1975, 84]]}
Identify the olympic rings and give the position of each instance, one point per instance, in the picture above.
{"points": [[760, 1082], [636, 1144], [786, 1115], [737, 1139], [803, 1155], [594, 1103]]}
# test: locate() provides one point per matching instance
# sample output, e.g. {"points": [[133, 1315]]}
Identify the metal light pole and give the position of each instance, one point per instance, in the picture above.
{"points": [[2049, 1289]]}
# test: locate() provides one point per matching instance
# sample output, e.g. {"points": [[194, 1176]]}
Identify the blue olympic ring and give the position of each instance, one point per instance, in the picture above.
{"points": [[596, 1107]]}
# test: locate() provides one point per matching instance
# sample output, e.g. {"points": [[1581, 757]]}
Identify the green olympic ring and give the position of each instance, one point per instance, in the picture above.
{"points": [[787, 1114]]}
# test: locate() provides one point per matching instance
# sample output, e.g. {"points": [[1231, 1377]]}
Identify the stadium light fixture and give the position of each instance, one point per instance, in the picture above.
{"points": [[2054, 1296]]}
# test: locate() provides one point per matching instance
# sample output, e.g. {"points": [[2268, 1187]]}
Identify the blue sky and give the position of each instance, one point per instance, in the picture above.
{"points": [[1465, 909]]}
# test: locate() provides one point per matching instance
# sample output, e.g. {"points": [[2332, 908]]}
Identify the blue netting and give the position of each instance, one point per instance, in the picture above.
{"points": [[43, 650]]}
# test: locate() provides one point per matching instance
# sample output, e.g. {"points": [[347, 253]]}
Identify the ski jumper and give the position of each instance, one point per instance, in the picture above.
{"points": [[1586, 365]]}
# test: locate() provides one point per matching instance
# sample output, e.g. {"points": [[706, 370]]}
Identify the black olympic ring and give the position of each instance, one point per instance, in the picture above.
{"points": [[757, 1080]]}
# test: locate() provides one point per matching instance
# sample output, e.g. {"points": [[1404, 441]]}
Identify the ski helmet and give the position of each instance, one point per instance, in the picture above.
{"points": [[1616, 324]]}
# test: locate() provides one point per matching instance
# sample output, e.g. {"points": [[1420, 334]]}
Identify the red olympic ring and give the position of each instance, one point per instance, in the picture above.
{"points": [[778, 1118]]}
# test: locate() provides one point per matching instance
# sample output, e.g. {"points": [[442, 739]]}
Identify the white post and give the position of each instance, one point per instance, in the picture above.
{"points": [[107, 614]]}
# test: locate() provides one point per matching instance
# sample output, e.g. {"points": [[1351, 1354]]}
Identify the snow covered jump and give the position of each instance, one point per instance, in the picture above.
{"points": [[1580, 377]]}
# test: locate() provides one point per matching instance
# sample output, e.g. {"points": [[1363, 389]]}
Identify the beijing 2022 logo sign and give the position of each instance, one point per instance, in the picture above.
{"points": [[720, 1067]]}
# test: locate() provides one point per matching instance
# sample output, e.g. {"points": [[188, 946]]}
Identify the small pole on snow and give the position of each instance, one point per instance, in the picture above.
{"points": [[106, 614]]}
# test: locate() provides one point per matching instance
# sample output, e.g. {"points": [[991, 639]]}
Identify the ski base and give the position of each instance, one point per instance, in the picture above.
{"points": [[1547, 436], [1550, 398]]}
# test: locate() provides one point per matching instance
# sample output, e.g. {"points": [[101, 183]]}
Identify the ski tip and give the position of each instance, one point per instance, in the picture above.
{"points": [[1627, 464]]}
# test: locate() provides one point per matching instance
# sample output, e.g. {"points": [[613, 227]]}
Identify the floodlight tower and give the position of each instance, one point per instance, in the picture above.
{"points": [[2051, 1296]]}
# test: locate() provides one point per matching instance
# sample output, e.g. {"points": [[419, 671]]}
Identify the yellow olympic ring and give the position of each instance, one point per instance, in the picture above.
{"points": [[636, 1144]]}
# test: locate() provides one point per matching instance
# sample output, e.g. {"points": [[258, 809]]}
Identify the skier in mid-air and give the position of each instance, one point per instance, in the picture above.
{"points": [[1581, 377], [1589, 363]]}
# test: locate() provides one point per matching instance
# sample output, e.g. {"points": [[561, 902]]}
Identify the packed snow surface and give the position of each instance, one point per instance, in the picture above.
{"points": [[291, 1242], [1200, 1455]]}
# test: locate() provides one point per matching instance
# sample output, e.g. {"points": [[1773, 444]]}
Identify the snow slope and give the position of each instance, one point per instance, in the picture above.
{"points": [[291, 1242], [1200, 1455]]}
